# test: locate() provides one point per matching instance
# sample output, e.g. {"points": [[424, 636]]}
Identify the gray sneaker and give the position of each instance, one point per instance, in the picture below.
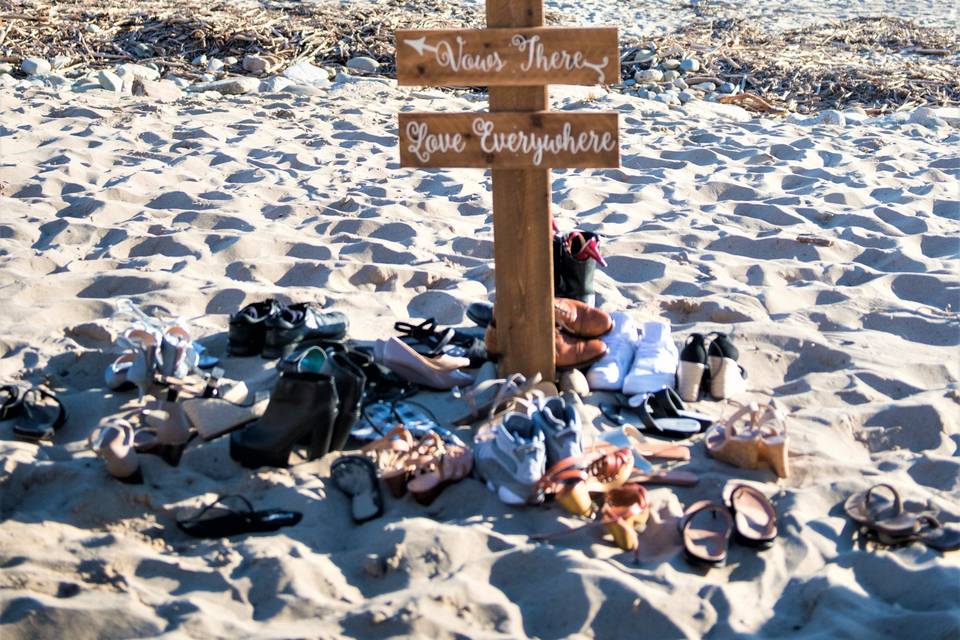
{"points": [[513, 461], [560, 424]]}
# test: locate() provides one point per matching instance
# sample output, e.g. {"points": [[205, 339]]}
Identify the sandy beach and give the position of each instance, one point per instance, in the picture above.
{"points": [[209, 202]]}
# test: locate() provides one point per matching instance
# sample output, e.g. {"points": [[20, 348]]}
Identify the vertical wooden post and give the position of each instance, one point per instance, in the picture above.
{"points": [[522, 227]]}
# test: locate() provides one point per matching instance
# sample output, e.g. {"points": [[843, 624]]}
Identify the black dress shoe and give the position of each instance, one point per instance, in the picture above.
{"points": [[303, 406], [248, 327], [297, 324]]}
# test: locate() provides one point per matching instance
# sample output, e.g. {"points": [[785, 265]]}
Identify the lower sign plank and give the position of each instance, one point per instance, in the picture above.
{"points": [[539, 139]]}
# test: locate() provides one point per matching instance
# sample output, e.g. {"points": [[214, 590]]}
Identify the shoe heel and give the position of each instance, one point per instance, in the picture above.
{"points": [[576, 499], [624, 535], [253, 459], [689, 378], [397, 483], [725, 378], [426, 498]]}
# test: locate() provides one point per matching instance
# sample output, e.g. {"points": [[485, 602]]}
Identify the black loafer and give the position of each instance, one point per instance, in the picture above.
{"points": [[300, 323], [248, 327]]}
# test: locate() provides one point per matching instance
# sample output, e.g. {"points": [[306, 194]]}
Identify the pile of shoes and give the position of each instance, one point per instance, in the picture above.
{"points": [[275, 330], [577, 333]]}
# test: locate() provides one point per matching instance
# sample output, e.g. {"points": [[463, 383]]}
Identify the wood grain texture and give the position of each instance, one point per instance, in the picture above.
{"points": [[510, 140], [522, 228], [508, 57]]}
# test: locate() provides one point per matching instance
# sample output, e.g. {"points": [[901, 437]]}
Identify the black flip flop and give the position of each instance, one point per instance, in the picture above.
{"points": [[11, 404], [667, 427], [666, 403], [236, 522], [425, 338], [39, 419], [356, 476]]}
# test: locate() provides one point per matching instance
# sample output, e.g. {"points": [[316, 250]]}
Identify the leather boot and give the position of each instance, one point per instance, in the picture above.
{"points": [[572, 278], [301, 404], [350, 382]]}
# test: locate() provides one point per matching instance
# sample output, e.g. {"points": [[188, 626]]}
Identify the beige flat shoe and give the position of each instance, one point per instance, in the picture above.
{"points": [[436, 373]]}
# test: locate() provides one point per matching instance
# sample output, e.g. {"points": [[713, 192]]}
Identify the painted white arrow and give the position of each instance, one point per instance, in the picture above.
{"points": [[420, 45]]}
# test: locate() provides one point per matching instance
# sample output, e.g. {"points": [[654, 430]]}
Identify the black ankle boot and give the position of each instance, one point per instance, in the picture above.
{"points": [[572, 278], [302, 406], [350, 382]]}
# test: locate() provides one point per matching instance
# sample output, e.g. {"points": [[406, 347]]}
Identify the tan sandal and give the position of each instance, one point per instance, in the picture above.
{"points": [[598, 471], [453, 465], [751, 438], [626, 510]]}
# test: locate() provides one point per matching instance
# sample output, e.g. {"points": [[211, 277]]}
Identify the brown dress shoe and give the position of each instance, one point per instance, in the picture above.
{"points": [[580, 319], [571, 352]]}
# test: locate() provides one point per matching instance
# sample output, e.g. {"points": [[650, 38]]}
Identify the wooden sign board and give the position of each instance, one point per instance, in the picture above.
{"points": [[508, 57], [533, 140]]}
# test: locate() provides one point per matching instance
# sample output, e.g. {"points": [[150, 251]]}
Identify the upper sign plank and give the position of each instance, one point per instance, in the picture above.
{"points": [[508, 57], [511, 140]]}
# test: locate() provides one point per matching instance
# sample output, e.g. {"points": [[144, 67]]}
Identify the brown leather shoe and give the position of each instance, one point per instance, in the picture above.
{"points": [[573, 352], [570, 351], [580, 319]]}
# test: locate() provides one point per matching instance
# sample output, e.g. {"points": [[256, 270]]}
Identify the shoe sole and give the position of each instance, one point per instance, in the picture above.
{"points": [[725, 378]]}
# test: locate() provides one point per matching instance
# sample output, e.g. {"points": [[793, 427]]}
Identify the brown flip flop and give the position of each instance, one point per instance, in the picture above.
{"points": [[754, 518], [705, 530], [881, 513]]}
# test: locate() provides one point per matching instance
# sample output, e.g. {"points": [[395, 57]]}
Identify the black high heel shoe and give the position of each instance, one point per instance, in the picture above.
{"points": [[303, 406]]}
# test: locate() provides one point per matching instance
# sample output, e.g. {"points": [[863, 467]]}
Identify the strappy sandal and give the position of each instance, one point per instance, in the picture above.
{"points": [[629, 436], [112, 441], [751, 438], [754, 518], [880, 509], [574, 479], [391, 455], [453, 465], [931, 532], [11, 404], [487, 398], [625, 511], [705, 531], [41, 414], [425, 338], [235, 522]]}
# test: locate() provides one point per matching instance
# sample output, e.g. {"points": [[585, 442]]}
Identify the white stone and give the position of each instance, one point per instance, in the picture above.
{"points": [[681, 84], [705, 86], [306, 73], [215, 65], [34, 66], [670, 64], [670, 75], [230, 86], [727, 87], [132, 71], [200, 61], [689, 65], [58, 62], [686, 96], [648, 75], [275, 84], [363, 64], [110, 81], [668, 98], [5, 67], [183, 83], [255, 64], [92, 28], [230, 61]]}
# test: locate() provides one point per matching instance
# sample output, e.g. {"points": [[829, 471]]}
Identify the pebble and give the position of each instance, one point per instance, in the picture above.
{"points": [[646, 94], [58, 62], [686, 96], [8, 80], [33, 66], [629, 83], [712, 97], [110, 81], [230, 86], [670, 75], [55, 80], [200, 60], [668, 98], [727, 87], [142, 50], [230, 61], [649, 75], [670, 64], [255, 64], [5, 68], [159, 90], [705, 86], [363, 64], [689, 65], [92, 28], [183, 83], [681, 84], [306, 73], [215, 65]]}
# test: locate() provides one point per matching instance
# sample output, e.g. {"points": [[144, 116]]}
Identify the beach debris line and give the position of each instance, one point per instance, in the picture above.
{"points": [[517, 58]]}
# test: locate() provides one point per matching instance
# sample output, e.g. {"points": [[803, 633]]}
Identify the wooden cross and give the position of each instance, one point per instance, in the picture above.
{"points": [[519, 140]]}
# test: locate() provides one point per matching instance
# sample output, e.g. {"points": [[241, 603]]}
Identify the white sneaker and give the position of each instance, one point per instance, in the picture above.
{"points": [[655, 361], [608, 373]]}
